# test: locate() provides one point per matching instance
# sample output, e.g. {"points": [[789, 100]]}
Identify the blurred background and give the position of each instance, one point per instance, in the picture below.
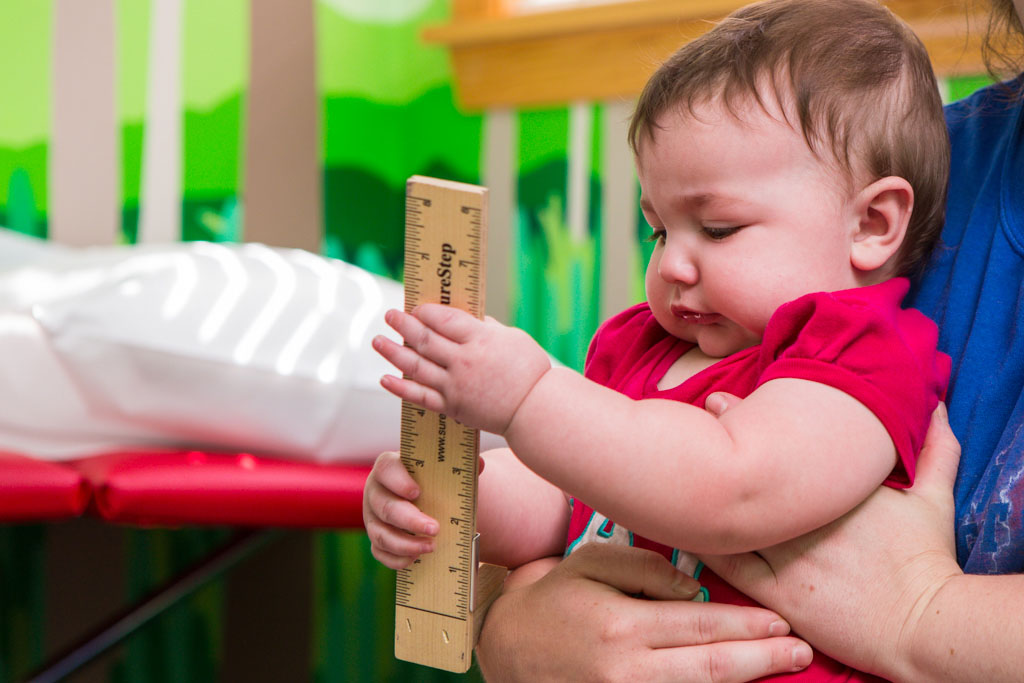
{"points": [[297, 124]]}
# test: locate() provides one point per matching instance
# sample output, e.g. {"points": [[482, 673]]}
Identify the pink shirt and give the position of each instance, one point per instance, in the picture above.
{"points": [[859, 341]]}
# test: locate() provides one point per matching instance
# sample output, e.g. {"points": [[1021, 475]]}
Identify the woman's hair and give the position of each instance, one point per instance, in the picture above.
{"points": [[856, 78], [1003, 45]]}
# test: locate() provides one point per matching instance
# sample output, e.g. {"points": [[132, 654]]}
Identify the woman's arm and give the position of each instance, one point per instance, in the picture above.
{"points": [[575, 620], [970, 630], [886, 574]]}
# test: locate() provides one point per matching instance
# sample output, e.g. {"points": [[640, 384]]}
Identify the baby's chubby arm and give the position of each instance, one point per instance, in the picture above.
{"points": [[793, 456], [520, 516]]}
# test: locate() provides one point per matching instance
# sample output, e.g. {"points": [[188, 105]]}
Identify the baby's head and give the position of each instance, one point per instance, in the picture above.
{"points": [[848, 75]]}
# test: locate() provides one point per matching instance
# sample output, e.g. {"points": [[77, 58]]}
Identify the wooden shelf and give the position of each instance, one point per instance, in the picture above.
{"points": [[608, 51]]}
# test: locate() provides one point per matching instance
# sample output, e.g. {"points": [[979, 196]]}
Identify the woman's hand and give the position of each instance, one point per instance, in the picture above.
{"points": [[860, 588], [577, 620]]}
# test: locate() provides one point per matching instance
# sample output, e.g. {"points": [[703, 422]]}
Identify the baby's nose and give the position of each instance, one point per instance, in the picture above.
{"points": [[677, 266]]}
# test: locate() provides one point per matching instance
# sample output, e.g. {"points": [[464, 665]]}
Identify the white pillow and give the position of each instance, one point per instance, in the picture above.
{"points": [[201, 345]]}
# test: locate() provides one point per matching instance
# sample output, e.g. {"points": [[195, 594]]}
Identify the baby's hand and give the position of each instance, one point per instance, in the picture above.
{"points": [[398, 531], [477, 372]]}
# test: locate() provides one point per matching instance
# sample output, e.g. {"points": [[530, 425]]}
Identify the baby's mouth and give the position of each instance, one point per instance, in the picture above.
{"points": [[695, 317]]}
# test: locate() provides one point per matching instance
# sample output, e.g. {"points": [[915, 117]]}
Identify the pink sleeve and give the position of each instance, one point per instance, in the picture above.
{"points": [[615, 340], [861, 342]]}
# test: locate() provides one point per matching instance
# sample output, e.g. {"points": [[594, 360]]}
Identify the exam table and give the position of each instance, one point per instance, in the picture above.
{"points": [[187, 385]]}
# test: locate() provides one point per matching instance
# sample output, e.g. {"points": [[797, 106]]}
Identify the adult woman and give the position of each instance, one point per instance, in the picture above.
{"points": [[880, 589]]}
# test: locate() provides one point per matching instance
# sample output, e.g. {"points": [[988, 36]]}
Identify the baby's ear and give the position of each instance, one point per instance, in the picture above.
{"points": [[883, 212]]}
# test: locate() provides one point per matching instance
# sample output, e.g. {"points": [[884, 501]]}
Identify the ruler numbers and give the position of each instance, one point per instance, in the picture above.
{"points": [[444, 255]]}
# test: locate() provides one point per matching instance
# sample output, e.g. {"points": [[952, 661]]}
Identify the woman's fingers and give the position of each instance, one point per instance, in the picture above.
{"points": [[615, 637], [632, 571], [729, 662], [635, 571], [719, 402], [940, 455], [700, 623]]}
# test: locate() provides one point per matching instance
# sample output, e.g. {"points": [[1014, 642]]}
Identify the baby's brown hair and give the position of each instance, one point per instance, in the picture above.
{"points": [[857, 78]]}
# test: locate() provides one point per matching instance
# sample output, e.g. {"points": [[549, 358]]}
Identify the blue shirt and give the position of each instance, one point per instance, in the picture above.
{"points": [[974, 289]]}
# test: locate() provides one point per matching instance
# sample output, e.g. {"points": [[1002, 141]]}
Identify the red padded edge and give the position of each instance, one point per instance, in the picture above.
{"points": [[176, 488], [37, 490]]}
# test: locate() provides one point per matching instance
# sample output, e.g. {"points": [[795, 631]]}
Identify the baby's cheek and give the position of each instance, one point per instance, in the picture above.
{"points": [[746, 327], [754, 310]]}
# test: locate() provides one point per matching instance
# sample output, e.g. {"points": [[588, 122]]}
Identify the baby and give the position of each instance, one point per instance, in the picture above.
{"points": [[793, 165]]}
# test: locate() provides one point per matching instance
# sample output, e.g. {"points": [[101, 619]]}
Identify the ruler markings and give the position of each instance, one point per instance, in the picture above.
{"points": [[440, 614], [444, 254]]}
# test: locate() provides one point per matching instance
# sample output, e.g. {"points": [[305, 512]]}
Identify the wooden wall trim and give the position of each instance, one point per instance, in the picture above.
{"points": [[619, 258], [500, 174], [283, 196], [85, 169], [608, 51], [485, 29], [162, 142]]}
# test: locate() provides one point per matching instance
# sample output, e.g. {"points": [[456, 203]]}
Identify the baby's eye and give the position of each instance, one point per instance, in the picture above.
{"points": [[657, 235], [719, 233]]}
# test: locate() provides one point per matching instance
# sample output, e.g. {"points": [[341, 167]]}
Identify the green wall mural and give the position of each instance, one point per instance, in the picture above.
{"points": [[25, 118], [556, 276], [388, 113], [371, 148]]}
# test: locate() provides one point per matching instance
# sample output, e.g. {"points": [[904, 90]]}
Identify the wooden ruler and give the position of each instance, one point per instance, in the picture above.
{"points": [[440, 598]]}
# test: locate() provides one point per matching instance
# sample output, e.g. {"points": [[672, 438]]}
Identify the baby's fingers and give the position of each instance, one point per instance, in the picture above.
{"points": [[395, 548], [398, 531], [389, 472], [397, 513], [391, 561], [453, 323], [415, 393], [430, 344], [422, 378], [408, 360]]}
